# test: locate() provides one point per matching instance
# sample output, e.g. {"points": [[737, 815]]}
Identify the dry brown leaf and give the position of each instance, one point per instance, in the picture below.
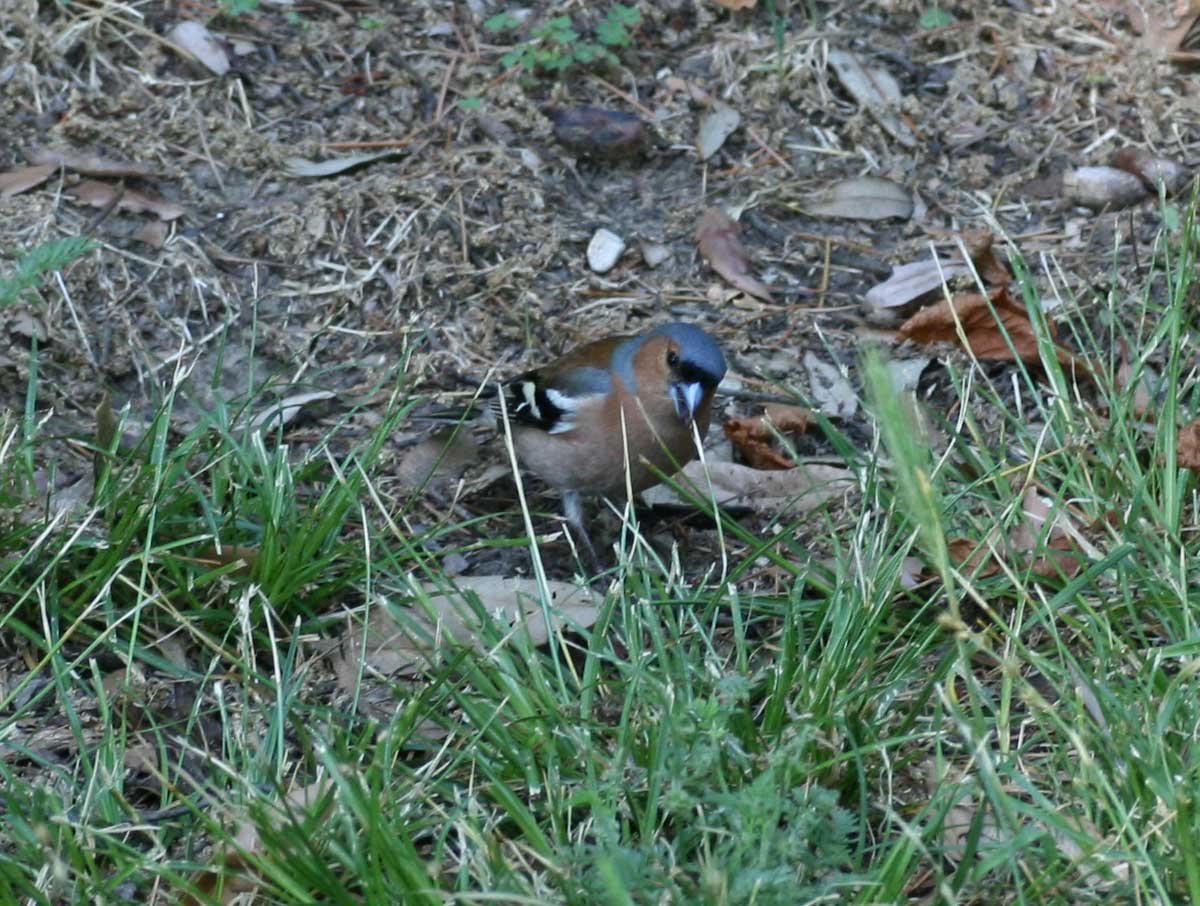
{"points": [[736, 4], [91, 164], [909, 282], [22, 179], [1062, 554], [1062, 547], [1187, 446], [752, 435], [99, 194], [980, 246], [236, 875], [153, 233], [717, 238], [936, 324], [1152, 169], [404, 644]]}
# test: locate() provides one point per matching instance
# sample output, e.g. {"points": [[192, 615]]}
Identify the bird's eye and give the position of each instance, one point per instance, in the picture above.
{"points": [[672, 359]]}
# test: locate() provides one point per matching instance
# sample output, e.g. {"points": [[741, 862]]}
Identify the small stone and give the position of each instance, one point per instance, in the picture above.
{"points": [[654, 253], [604, 250]]}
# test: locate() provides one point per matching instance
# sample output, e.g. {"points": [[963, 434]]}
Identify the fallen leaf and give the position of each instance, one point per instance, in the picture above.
{"points": [[736, 4], [717, 238], [22, 179], [788, 419], [153, 233], [1062, 554], [599, 134], [937, 324], [413, 637], [1187, 446], [980, 246], [1153, 170], [99, 194], [752, 435], [194, 39], [92, 164], [1147, 379], [241, 557], [234, 872], [281, 413], [301, 168], [909, 282], [905, 374], [863, 198], [875, 90], [830, 388], [799, 489], [720, 122]]}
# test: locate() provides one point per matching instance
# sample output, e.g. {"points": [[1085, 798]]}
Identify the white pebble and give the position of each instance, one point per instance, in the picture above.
{"points": [[604, 250]]}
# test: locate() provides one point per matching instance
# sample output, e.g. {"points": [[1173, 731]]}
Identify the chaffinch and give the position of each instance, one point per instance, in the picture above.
{"points": [[567, 416]]}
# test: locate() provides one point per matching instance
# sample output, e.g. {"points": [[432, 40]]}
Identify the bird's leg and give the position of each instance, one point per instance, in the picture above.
{"points": [[573, 511]]}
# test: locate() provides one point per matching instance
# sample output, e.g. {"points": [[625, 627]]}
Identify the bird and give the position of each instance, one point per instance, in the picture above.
{"points": [[614, 415]]}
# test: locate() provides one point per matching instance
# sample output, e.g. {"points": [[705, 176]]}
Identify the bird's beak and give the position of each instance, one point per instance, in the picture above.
{"points": [[686, 398]]}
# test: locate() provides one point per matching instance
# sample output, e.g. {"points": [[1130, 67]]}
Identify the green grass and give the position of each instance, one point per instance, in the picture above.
{"points": [[814, 729]]}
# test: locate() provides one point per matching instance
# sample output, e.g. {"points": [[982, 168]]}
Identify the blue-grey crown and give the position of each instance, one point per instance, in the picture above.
{"points": [[696, 348]]}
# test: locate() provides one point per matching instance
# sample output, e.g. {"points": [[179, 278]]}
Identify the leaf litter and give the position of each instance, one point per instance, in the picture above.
{"points": [[460, 257]]}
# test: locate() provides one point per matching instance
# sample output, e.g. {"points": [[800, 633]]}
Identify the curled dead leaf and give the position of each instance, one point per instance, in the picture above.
{"points": [[1153, 170], [980, 246], [909, 282], [876, 91], [980, 328], [720, 122], [752, 435], [717, 239]]}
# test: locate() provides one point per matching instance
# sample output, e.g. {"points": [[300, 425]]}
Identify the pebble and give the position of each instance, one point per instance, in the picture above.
{"points": [[604, 250]]}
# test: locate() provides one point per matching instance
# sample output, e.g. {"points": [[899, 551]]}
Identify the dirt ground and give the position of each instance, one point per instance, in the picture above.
{"points": [[464, 250]]}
